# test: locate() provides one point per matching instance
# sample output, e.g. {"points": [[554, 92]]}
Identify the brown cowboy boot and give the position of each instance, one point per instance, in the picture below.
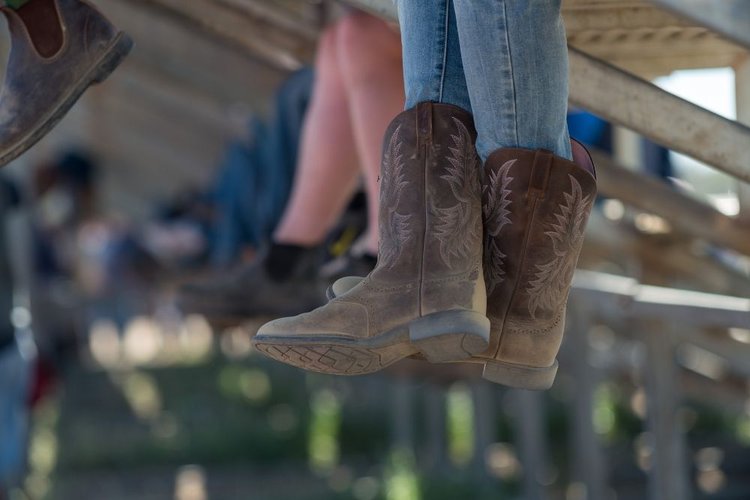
{"points": [[58, 49], [426, 294], [535, 209], [536, 206]]}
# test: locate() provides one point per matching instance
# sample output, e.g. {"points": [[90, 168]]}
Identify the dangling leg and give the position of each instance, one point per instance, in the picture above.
{"points": [[426, 294], [283, 279], [370, 55], [516, 65], [328, 165], [433, 70], [536, 201]]}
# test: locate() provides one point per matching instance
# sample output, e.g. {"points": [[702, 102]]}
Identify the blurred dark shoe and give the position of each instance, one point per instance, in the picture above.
{"points": [[277, 283], [426, 294], [58, 49], [353, 263]]}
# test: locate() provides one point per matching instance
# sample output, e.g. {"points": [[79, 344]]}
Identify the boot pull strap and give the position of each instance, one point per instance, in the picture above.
{"points": [[540, 170], [424, 123]]}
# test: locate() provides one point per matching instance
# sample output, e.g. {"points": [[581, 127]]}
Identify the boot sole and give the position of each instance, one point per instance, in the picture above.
{"points": [[443, 336], [503, 373], [110, 60]]}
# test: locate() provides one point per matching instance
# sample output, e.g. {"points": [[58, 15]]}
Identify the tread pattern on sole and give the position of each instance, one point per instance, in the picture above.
{"points": [[330, 359]]}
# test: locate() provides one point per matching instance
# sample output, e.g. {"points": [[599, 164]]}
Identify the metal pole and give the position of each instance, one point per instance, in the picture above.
{"points": [[532, 445], [668, 473], [589, 465], [435, 450], [484, 429]]}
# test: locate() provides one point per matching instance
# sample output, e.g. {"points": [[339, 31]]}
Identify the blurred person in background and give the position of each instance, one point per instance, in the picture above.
{"points": [[16, 376], [358, 88], [16, 362], [58, 49], [64, 196]]}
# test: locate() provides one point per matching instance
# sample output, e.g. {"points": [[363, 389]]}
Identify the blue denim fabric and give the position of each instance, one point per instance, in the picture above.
{"points": [[15, 375], [506, 61], [255, 178]]}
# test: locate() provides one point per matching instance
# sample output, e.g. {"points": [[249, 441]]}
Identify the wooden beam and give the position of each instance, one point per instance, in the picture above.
{"points": [[699, 310], [675, 123], [687, 214], [274, 46], [731, 18], [195, 59], [275, 15], [742, 100], [656, 260], [635, 35]]}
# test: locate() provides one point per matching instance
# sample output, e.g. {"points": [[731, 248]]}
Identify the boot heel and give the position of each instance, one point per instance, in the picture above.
{"points": [[450, 335], [520, 376]]}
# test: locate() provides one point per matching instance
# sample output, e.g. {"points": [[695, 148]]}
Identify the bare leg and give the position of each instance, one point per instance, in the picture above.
{"points": [[370, 56], [327, 168]]}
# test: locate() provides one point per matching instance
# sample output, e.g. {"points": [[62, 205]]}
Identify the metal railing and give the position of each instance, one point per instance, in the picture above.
{"points": [[662, 320]]}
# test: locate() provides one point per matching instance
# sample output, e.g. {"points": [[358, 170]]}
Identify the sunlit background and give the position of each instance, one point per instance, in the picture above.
{"points": [[144, 402]]}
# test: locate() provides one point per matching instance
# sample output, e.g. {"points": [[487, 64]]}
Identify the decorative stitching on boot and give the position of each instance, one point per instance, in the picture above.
{"points": [[552, 279], [457, 227], [470, 275], [496, 217], [556, 320], [396, 230]]}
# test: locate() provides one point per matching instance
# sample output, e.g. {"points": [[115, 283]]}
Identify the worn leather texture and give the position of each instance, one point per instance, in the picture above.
{"points": [[231, 298], [35, 84], [430, 232], [536, 206]]}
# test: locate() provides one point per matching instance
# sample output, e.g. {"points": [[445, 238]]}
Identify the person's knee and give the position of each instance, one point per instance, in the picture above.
{"points": [[326, 56], [367, 46]]}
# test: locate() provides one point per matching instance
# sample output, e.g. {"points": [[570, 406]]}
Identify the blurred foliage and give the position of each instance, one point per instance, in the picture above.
{"points": [[284, 434]]}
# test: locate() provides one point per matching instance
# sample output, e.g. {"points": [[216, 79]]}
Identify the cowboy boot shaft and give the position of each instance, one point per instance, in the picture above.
{"points": [[426, 295], [536, 206], [431, 227], [401, 218]]}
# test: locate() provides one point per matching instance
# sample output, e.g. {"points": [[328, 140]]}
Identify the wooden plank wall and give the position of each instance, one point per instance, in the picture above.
{"points": [[160, 123]]}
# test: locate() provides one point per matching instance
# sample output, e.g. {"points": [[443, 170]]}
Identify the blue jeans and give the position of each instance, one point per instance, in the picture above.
{"points": [[506, 61], [15, 378]]}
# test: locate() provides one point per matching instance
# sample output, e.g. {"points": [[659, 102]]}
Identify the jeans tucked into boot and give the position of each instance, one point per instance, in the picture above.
{"points": [[427, 293]]}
